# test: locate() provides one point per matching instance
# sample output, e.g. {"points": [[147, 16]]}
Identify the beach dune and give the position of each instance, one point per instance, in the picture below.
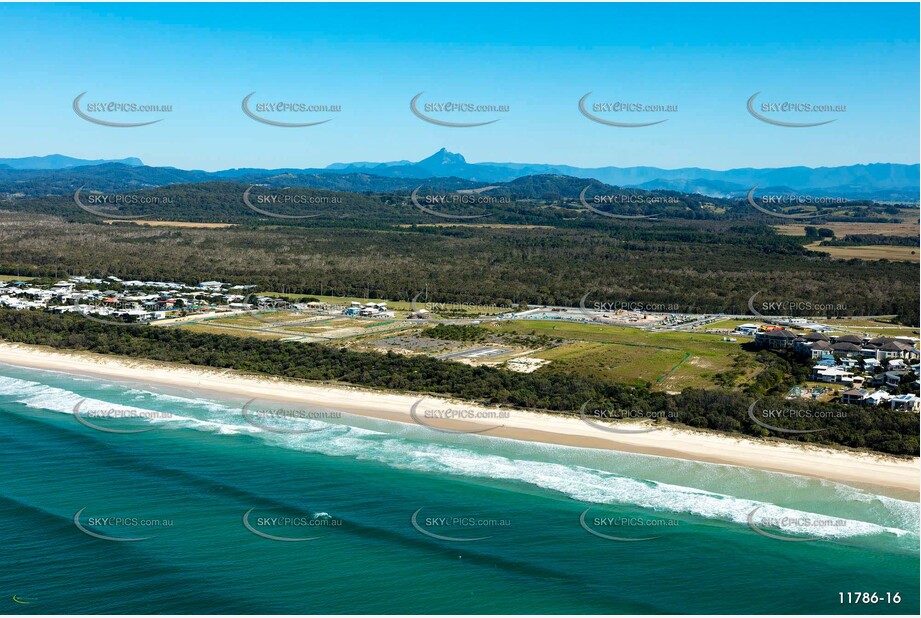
{"points": [[896, 477]]}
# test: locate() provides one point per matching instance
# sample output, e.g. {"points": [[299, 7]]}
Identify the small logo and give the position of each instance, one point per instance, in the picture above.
{"points": [[453, 107], [280, 107], [112, 107], [260, 417], [454, 414], [789, 107], [616, 107], [453, 522], [753, 204], [780, 413], [79, 202], [751, 524], [614, 415], [415, 200], [321, 519], [249, 204], [607, 214], [106, 521], [111, 413], [618, 521]]}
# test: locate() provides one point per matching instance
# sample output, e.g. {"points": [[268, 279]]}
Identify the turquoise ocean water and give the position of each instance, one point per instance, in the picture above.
{"points": [[403, 519]]}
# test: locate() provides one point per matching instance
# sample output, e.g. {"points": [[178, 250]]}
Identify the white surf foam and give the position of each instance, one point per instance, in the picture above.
{"points": [[578, 482]]}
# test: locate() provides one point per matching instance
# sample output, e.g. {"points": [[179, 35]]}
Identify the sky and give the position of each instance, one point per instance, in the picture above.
{"points": [[539, 60]]}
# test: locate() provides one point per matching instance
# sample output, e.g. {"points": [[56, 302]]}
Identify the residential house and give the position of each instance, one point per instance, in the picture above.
{"points": [[877, 398], [912, 403], [777, 339], [854, 396]]}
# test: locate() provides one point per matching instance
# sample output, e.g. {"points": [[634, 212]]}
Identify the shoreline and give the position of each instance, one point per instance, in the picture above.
{"points": [[880, 474]]}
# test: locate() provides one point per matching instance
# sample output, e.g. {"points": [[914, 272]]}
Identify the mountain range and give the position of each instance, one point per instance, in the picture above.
{"points": [[875, 181], [59, 162]]}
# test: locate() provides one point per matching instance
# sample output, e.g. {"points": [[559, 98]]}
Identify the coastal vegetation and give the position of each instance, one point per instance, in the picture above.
{"points": [[879, 429]]}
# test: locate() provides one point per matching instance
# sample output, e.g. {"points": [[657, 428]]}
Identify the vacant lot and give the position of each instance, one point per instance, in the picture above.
{"points": [[229, 330], [875, 252], [668, 360], [495, 226], [907, 227], [873, 327], [171, 223]]}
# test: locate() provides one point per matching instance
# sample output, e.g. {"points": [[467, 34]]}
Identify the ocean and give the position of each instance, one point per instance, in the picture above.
{"points": [[194, 508]]}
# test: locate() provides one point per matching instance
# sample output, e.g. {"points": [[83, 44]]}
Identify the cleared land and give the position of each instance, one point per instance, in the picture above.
{"points": [[495, 226], [225, 330], [170, 223], [440, 309], [907, 227], [726, 324], [668, 360], [874, 252], [297, 326], [874, 327]]}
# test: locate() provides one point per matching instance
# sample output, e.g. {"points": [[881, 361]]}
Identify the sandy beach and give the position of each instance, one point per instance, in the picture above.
{"points": [[881, 474]]}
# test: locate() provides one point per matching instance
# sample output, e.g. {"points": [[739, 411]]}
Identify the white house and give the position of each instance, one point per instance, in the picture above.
{"points": [[912, 403], [877, 398]]}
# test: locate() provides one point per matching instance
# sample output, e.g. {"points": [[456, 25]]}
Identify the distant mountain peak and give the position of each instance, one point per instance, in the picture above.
{"points": [[443, 157]]}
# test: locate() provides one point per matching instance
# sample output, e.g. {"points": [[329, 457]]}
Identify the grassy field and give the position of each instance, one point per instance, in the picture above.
{"points": [[875, 252], [874, 327], [907, 227], [495, 226], [14, 278], [668, 360], [284, 325], [726, 324], [171, 223], [225, 330]]}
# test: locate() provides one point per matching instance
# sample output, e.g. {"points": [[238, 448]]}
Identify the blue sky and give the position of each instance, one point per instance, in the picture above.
{"points": [[371, 59]]}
